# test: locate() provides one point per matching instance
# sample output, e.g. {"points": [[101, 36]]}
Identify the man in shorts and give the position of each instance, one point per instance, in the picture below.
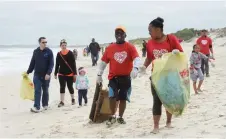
{"points": [[124, 63]]}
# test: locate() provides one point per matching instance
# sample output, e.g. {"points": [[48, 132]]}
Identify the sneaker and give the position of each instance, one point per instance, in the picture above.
{"points": [[60, 104], [121, 120], [207, 75], [73, 101], [111, 120], [35, 110], [85, 104], [79, 106], [45, 108]]}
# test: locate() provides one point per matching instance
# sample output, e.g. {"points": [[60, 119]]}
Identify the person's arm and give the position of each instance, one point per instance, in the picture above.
{"points": [[51, 63], [98, 46], [103, 63], [203, 56], [176, 44], [75, 68], [135, 57], [87, 81], [57, 65], [32, 64], [76, 82], [211, 47], [192, 62], [147, 62], [73, 63], [89, 48]]}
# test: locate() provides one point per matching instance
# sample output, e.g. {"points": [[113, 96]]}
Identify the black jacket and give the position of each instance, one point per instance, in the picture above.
{"points": [[62, 68], [94, 48], [42, 62]]}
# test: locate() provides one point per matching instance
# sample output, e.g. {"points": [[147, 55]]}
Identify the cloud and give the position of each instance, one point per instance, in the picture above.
{"points": [[78, 21]]}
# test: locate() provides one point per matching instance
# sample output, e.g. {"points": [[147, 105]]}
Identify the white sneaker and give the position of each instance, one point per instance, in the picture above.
{"points": [[85, 104], [79, 106], [35, 110], [45, 108]]}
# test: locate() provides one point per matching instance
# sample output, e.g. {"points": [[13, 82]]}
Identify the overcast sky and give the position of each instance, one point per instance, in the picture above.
{"points": [[78, 22]]}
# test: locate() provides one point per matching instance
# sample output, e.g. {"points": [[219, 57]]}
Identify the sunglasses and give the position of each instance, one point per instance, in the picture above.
{"points": [[43, 42]]}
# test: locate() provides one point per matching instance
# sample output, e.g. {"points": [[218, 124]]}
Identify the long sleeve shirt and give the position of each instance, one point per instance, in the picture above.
{"points": [[196, 59], [62, 68], [82, 82], [42, 62]]}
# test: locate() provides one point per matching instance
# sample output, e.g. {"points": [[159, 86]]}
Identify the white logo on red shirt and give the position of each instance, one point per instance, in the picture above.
{"points": [[120, 56], [204, 42], [159, 53]]}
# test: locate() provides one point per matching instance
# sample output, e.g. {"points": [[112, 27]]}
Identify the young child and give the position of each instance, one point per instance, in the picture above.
{"points": [[82, 85], [195, 68]]}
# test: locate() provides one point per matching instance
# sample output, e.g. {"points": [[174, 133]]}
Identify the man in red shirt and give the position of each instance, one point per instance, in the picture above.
{"points": [[205, 44], [124, 63]]}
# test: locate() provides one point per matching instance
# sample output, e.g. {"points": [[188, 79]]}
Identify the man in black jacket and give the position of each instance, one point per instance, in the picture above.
{"points": [[42, 63], [94, 49]]}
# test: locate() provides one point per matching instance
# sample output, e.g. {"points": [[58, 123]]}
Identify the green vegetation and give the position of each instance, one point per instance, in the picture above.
{"points": [[187, 33], [184, 34], [138, 41]]}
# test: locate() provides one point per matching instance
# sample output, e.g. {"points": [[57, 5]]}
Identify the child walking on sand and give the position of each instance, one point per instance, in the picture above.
{"points": [[195, 67], [82, 85]]}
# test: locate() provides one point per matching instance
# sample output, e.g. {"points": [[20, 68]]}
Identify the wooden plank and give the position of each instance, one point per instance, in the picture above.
{"points": [[95, 99]]}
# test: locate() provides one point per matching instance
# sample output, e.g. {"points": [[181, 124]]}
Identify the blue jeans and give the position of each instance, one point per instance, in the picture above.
{"points": [[40, 85]]}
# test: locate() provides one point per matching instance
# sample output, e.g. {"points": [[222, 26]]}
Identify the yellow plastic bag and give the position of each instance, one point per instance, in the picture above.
{"points": [[171, 80], [27, 88]]}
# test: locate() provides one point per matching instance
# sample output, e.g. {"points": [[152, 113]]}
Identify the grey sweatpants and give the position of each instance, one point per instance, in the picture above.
{"points": [[205, 66]]}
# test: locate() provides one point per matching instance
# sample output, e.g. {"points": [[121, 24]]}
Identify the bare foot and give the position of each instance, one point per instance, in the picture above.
{"points": [[168, 125], [155, 131]]}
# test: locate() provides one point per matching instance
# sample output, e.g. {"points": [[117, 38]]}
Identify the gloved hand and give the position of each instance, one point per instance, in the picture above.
{"points": [[142, 70], [134, 73], [175, 51], [99, 79]]}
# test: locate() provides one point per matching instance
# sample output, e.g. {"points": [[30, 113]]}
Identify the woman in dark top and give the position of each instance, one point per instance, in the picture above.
{"points": [[66, 71]]}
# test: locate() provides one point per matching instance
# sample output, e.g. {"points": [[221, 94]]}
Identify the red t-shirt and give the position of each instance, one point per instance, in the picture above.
{"points": [[156, 50], [204, 43], [120, 57]]}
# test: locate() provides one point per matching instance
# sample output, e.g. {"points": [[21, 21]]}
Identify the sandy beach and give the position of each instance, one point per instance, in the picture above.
{"points": [[205, 115]]}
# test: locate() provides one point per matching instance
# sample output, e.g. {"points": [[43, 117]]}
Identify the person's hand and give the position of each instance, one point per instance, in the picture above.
{"points": [[175, 51], [134, 73], [55, 77], [99, 79], [212, 57], [142, 70], [25, 75], [47, 77], [74, 78]]}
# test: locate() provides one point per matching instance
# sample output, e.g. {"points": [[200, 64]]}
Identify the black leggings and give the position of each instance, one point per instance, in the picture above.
{"points": [[66, 79], [157, 104]]}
